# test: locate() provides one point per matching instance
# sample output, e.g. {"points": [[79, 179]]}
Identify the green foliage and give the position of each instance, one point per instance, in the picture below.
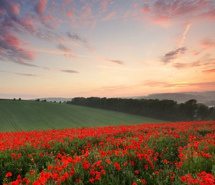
{"points": [[32, 115], [159, 109]]}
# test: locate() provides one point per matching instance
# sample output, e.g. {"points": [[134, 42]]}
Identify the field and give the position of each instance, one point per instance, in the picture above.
{"points": [[31, 115], [180, 153]]}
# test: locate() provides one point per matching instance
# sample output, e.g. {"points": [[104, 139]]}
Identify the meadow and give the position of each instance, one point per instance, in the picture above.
{"points": [[31, 115], [181, 153]]}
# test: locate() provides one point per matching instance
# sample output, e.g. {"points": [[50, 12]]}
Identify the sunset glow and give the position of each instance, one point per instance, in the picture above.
{"points": [[114, 48]]}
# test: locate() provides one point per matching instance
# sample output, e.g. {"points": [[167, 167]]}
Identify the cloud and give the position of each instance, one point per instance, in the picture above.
{"points": [[186, 65], [41, 6], [156, 83], [181, 84], [208, 43], [67, 52], [104, 4], [76, 37], [15, 8], [63, 48], [117, 62], [164, 11], [25, 74], [69, 71], [199, 63], [19, 74], [109, 16], [184, 35], [168, 57], [209, 71], [210, 14], [11, 49]]}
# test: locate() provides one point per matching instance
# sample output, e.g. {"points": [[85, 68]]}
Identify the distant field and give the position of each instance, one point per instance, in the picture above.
{"points": [[31, 115]]}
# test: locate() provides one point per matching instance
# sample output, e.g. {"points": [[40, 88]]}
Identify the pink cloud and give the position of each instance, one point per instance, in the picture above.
{"points": [[208, 43], [28, 24], [210, 14], [104, 4], [41, 6], [109, 16], [12, 40], [162, 12], [145, 9], [15, 8], [69, 13], [11, 48], [209, 71]]}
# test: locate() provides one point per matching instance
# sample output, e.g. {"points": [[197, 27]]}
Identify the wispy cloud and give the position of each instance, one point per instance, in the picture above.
{"points": [[104, 4], [163, 12], [209, 71], [181, 84], [171, 55], [26, 74], [183, 37], [41, 6], [69, 71], [11, 48], [19, 74], [39, 22], [202, 62], [120, 62], [76, 37], [210, 14], [208, 43]]}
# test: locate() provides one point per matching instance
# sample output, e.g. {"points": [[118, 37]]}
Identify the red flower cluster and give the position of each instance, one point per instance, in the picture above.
{"points": [[201, 178], [177, 153]]}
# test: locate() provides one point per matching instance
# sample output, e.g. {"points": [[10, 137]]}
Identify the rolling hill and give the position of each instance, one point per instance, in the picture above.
{"points": [[16, 115], [206, 97]]}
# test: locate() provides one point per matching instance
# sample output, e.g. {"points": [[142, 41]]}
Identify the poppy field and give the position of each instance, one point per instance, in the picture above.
{"points": [[181, 153]]}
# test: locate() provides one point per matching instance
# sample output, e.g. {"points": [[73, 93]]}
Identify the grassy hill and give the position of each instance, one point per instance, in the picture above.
{"points": [[31, 115]]}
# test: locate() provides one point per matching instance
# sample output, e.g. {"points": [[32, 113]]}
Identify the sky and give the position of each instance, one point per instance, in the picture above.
{"points": [[112, 48]]}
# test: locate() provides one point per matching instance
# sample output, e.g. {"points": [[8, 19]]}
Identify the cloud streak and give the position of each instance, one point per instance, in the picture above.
{"points": [[209, 71], [208, 43], [11, 49], [164, 11], [120, 62], [69, 71], [171, 55], [198, 63], [75, 37], [182, 84], [20, 74], [184, 35], [41, 6]]}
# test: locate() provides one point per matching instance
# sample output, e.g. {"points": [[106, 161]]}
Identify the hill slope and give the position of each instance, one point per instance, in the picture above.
{"points": [[31, 115], [206, 97]]}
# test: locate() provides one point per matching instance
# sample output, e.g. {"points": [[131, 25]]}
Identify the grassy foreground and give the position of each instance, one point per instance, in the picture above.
{"points": [[31, 115]]}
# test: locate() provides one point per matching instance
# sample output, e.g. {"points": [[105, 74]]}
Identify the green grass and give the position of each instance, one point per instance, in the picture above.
{"points": [[31, 115]]}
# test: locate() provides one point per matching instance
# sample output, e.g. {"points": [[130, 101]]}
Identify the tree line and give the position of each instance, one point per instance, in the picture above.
{"points": [[161, 109]]}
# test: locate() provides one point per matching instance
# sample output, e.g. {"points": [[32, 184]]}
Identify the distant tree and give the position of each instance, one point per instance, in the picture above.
{"points": [[161, 109], [202, 112], [14, 99], [19, 99], [37, 99], [188, 110]]}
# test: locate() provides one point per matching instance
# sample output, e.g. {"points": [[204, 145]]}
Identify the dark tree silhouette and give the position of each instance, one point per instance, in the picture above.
{"points": [[161, 109]]}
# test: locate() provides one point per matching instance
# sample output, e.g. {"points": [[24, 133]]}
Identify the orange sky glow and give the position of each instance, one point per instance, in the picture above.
{"points": [[112, 48]]}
